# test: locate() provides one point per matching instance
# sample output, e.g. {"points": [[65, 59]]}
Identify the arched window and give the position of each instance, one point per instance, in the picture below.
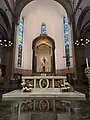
{"points": [[43, 29], [20, 42]]}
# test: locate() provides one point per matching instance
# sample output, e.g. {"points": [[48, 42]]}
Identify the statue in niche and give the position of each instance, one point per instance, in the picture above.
{"points": [[43, 64]]}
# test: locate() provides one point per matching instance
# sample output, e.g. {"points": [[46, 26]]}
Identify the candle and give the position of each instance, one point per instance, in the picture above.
{"points": [[87, 62]]}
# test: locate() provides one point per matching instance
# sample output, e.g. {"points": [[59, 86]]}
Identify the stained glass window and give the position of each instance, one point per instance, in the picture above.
{"points": [[20, 42], [43, 29], [65, 20]]}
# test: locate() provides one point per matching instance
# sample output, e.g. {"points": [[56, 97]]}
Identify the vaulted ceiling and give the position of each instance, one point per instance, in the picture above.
{"points": [[20, 4], [77, 8]]}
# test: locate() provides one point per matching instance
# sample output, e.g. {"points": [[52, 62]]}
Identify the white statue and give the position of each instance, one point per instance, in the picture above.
{"points": [[43, 63]]}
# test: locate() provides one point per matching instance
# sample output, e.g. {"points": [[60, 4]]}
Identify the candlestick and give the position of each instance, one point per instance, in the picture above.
{"points": [[87, 62]]}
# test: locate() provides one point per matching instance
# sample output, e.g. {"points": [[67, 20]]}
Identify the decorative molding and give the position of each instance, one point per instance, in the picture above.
{"points": [[44, 105], [43, 82]]}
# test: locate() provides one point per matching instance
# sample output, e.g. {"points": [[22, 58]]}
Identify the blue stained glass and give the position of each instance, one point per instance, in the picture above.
{"points": [[43, 29], [21, 30], [66, 41], [21, 34]]}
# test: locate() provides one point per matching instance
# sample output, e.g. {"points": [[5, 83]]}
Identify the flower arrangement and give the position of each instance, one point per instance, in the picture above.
{"points": [[26, 86], [87, 72]]}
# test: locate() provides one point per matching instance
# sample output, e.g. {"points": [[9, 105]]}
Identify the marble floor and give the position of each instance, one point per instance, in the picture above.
{"points": [[45, 110]]}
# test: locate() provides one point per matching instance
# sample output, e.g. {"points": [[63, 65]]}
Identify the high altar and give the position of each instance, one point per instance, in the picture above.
{"points": [[43, 82]]}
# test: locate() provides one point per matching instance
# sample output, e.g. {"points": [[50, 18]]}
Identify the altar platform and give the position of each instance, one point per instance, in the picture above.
{"points": [[45, 93]]}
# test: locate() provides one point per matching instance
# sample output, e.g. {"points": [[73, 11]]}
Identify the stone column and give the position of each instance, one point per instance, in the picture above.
{"points": [[53, 83], [34, 83], [33, 62]]}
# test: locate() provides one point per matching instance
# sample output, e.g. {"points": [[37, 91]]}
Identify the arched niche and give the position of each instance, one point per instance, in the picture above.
{"points": [[43, 55]]}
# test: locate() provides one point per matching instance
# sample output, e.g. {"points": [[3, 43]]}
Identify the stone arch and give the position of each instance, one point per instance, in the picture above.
{"points": [[85, 30], [43, 37], [3, 32], [20, 4], [6, 21], [80, 20], [85, 27]]}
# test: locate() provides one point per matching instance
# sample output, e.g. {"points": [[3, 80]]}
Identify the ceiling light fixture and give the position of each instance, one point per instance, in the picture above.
{"points": [[5, 40], [1, 44], [9, 41], [86, 42], [76, 40], [5, 45], [86, 39], [81, 39], [78, 44], [82, 43]]}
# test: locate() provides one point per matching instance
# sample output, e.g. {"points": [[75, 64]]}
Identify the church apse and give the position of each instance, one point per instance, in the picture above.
{"points": [[43, 55]]}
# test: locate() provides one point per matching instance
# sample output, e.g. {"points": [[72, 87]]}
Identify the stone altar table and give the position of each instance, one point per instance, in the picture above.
{"points": [[37, 93]]}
